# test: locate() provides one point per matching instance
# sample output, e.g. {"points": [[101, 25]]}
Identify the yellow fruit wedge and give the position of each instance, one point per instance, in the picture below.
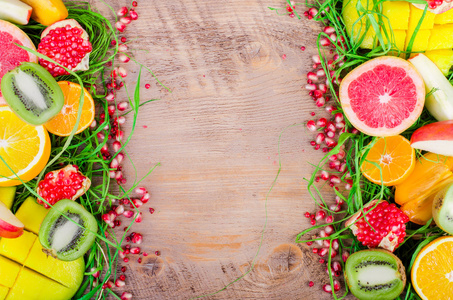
{"points": [[356, 26], [416, 15], [8, 271], [17, 249], [31, 214], [3, 292], [7, 195], [441, 37], [444, 18], [443, 58], [429, 170], [397, 13], [47, 12], [421, 40], [398, 40], [33, 286]]}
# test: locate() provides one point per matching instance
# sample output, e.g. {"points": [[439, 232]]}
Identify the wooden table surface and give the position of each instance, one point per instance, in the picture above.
{"points": [[236, 74]]}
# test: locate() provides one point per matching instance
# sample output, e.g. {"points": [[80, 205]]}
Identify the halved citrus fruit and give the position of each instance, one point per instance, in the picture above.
{"points": [[432, 271], [383, 97], [24, 148], [391, 157], [63, 123]]}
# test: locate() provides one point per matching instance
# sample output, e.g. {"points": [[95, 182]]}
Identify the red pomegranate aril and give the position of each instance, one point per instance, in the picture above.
{"points": [[336, 266], [119, 135], [344, 256], [330, 142], [307, 215], [120, 26], [124, 58], [339, 117], [122, 11], [333, 157], [335, 179], [119, 210], [122, 47], [120, 283], [323, 251], [137, 203], [330, 126], [321, 122], [126, 20], [311, 125], [315, 250], [324, 175], [120, 158], [310, 87], [329, 219], [122, 72], [126, 296], [128, 213], [122, 106], [134, 15], [320, 137], [329, 30], [329, 229], [141, 190], [320, 102], [330, 134], [135, 250], [311, 283], [340, 125], [312, 76], [313, 143], [114, 164], [309, 243], [336, 285], [323, 88], [138, 217], [316, 59], [324, 42], [326, 243], [313, 222], [327, 288], [320, 215], [110, 97], [137, 238]]}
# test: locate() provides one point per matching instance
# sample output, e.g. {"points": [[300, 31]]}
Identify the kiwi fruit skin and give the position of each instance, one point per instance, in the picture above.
{"points": [[23, 105], [443, 209], [83, 240], [378, 256]]}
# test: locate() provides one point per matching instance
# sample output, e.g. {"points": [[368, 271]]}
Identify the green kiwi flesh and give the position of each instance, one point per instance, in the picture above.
{"points": [[443, 209], [32, 93], [375, 275], [63, 238]]}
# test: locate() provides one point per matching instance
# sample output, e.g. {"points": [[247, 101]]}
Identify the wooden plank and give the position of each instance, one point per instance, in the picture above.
{"points": [[216, 137]]}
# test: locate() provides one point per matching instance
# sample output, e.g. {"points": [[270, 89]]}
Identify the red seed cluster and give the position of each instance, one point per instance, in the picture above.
{"points": [[60, 184], [66, 46], [435, 3], [387, 221]]}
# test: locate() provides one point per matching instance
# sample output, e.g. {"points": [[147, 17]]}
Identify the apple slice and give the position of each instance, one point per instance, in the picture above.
{"points": [[15, 11], [10, 226], [435, 137]]}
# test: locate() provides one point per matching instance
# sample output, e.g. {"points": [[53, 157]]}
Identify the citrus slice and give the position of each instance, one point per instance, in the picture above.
{"points": [[25, 148], [383, 97], [392, 157], [63, 123], [432, 271]]}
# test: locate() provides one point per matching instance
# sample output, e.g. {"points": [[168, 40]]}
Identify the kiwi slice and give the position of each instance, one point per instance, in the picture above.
{"points": [[32, 93], [63, 238], [375, 274]]}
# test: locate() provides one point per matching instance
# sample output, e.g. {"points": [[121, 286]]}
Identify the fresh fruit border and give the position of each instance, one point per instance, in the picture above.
{"points": [[100, 151], [345, 147]]}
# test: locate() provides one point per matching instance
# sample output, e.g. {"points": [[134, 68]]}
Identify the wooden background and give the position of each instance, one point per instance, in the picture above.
{"points": [[216, 139]]}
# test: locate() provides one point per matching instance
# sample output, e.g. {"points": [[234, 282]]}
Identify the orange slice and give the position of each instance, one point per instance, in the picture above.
{"points": [[392, 157], [63, 123], [432, 272], [25, 148]]}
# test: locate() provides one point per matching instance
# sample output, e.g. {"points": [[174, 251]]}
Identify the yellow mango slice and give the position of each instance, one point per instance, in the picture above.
{"points": [[441, 37], [7, 195], [8, 271], [17, 249], [421, 40], [429, 170], [33, 286], [415, 16], [47, 12], [357, 28], [399, 40], [31, 214], [444, 18], [443, 58], [68, 273], [3, 292], [398, 14]]}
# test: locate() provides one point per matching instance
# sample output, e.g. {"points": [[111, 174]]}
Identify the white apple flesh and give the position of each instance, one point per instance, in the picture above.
{"points": [[10, 226], [15, 11], [435, 137]]}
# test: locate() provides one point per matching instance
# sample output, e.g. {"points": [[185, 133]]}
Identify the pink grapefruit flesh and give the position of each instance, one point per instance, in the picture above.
{"points": [[383, 97], [11, 55]]}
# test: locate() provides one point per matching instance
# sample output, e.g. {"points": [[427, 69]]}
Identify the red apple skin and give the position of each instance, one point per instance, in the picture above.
{"points": [[10, 231], [439, 131]]}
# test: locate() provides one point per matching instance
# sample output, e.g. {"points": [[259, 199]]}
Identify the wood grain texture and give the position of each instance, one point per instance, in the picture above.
{"points": [[216, 137]]}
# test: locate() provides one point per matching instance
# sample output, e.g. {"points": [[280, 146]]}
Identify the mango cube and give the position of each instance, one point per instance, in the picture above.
{"points": [[356, 26], [444, 18], [441, 37], [415, 16], [17, 249], [7, 195], [398, 40], [31, 214], [3, 292], [397, 13], [443, 58], [8, 271], [421, 40]]}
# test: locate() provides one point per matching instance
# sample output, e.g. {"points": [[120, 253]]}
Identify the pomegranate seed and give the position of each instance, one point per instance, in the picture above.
{"points": [[109, 284], [324, 175], [326, 243], [336, 266], [329, 30], [309, 243], [327, 288], [112, 174], [335, 179], [323, 252], [324, 42], [329, 229], [321, 122], [124, 58], [330, 142], [138, 217], [310, 87], [121, 120], [151, 210], [330, 134], [333, 253], [335, 207], [313, 222], [100, 136], [119, 210], [320, 102], [323, 234], [120, 283], [122, 72], [323, 88], [93, 125], [145, 198], [307, 215], [134, 15], [95, 274], [137, 238], [120, 158], [126, 259], [344, 256], [120, 26], [315, 250], [339, 117], [340, 125], [312, 76], [137, 203], [311, 125], [128, 213], [122, 11], [122, 106], [126, 296], [338, 200], [141, 190], [311, 283], [320, 73], [134, 3], [116, 146], [333, 157], [322, 260], [329, 219], [114, 164], [126, 20], [336, 285], [320, 137], [135, 250], [320, 215], [316, 59], [110, 97], [122, 47], [330, 108], [333, 37]]}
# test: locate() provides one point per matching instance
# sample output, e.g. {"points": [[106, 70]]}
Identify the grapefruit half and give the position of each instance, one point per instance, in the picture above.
{"points": [[383, 97], [11, 55]]}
